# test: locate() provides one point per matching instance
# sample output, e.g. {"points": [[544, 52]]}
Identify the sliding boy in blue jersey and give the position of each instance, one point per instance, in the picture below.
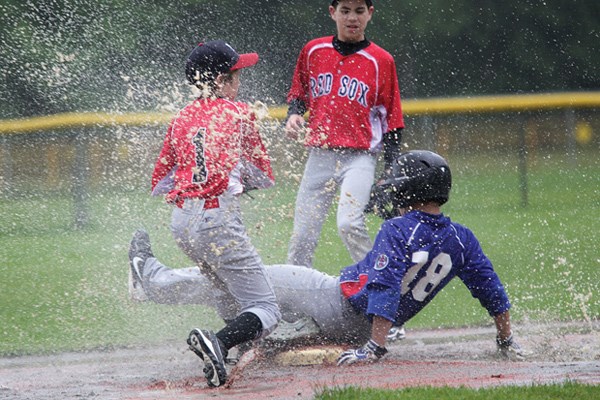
{"points": [[416, 253], [419, 250]]}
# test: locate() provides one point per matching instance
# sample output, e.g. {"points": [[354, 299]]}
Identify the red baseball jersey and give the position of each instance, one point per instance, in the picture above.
{"points": [[204, 144], [352, 100]]}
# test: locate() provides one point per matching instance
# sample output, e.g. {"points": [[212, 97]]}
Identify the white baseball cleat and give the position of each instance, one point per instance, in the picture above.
{"points": [[396, 333], [509, 349], [305, 326], [139, 252]]}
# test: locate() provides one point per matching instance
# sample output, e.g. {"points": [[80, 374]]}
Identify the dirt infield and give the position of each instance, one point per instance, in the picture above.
{"points": [[446, 357]]}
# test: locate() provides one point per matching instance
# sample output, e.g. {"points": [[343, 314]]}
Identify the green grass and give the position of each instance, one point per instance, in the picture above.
{"points": [[539, 392], [66, 289]]}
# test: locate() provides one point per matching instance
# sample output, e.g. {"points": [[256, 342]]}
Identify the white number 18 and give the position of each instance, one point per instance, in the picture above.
{"points": [[436, 271]]}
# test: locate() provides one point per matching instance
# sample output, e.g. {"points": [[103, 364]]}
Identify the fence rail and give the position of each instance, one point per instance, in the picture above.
{"points": [[431, 118], [411, 108]]}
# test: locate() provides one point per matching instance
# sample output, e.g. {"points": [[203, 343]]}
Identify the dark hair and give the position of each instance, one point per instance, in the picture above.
{"points": [[336, 2], [208, 86]]}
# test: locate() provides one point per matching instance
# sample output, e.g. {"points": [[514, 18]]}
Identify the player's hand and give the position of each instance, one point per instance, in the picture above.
{"points": [[510, 349], [380, 203], [247, 184], [368, 353], [294, 125]]}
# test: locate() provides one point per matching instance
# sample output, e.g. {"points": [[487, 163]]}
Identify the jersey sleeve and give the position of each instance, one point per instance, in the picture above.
{"points": [[386, 273], [165, 163], [391, 97], [480, 278], [300, 81], [259, 173], [389, 94]]}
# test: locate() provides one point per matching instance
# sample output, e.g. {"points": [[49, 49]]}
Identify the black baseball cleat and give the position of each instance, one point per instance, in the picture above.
{"points": [[206, 346], [139, 252]]}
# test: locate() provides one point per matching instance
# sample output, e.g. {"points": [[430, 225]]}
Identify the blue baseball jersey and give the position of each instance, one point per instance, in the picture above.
{"points": [[413, 258]]}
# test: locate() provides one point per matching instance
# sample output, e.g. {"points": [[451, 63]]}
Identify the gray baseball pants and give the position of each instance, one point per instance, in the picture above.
{"points": [[300, 291], [216, 240], [353, 172]]}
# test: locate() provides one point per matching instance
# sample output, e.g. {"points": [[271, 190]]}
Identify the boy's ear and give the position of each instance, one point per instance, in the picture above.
{"points": [[331, 12], [220, 80]]}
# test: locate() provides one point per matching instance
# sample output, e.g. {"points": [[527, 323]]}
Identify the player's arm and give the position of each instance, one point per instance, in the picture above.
{"points": [[505, 342], [391, 147], [372, 350], [383, 301], [485, 285], [298, 97], [381, 327], [165, 161], [295, 120], [502, 322], [391, 99]]}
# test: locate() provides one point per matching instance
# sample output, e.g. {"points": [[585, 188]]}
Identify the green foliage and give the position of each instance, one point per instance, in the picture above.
{"points": [[84, 55], [568, 390]]}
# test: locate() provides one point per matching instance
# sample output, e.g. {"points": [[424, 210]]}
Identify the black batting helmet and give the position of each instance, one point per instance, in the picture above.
{"points": [[417, 176]]}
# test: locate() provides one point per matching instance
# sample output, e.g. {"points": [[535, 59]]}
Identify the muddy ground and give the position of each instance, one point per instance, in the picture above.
{"points": [[446, 357]]}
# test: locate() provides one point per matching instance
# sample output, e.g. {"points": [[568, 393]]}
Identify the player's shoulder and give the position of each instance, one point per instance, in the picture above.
{"points": [[399, 224], [464, 233], [184, 115], [319, 42], [239, 110], [379, 52], [237, 105], [201, 109], [459, 227]]}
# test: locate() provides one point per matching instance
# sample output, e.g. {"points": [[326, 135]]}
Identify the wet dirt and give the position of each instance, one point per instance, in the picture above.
{"points": [[559, 352]]}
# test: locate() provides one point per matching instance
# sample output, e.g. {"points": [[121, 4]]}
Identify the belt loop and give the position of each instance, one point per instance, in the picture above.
{"points": [[211, 203]]}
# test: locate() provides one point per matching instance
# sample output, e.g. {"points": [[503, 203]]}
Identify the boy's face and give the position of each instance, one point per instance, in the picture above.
{"points": [[351, 18], [229, 86]]}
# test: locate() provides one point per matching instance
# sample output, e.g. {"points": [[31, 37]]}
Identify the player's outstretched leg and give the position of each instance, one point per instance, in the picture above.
{"points": [[206, 346], [285, 331], [139, 252]]}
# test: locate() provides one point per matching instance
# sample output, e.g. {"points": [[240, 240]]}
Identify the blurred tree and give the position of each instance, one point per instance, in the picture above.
{"points": [[457, 47], [116, 55]]}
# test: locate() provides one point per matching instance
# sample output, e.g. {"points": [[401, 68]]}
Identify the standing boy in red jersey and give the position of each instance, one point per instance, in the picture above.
{"points": [[349, 86]]}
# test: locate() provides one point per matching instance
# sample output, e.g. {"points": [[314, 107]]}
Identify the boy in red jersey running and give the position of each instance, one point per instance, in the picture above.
{"points": [[212, 152]]}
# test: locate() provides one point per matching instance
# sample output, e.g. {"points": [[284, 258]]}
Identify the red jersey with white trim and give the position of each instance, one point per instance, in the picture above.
{"points": [[204, 143], [353, 100]]}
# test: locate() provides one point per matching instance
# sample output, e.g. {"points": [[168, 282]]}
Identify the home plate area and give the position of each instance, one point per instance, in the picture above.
{"points": [[559, 352], [462, 357]]}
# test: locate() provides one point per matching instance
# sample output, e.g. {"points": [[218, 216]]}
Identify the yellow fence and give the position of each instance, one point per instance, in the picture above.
{"points": [[411, 108], [439, 123]]}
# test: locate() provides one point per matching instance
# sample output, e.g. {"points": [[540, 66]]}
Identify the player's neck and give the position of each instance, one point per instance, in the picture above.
{"points": [[347, 48], [429, 208]]}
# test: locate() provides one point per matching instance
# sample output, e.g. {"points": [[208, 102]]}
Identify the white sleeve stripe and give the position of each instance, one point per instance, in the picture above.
{"points": [[412, 236], [376, 65], [459, 242]]}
